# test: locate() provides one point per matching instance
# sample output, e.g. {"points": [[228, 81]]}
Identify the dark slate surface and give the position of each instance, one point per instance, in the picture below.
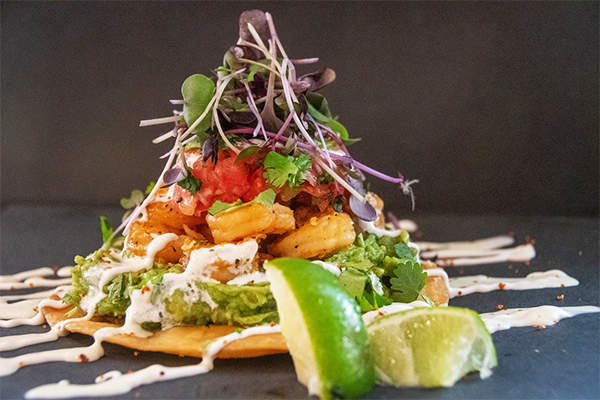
{"points": [[566, 364]]}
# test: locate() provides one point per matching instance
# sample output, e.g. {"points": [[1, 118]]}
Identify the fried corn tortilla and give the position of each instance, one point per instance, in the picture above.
{"points": [[184, 341]]}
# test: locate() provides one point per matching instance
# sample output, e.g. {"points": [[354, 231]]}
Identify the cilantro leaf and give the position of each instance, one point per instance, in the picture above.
{"points": [[404, 252], [281, 169], [266, 198], [190, 183], [408, 282], [373, 301], [107, 229]]}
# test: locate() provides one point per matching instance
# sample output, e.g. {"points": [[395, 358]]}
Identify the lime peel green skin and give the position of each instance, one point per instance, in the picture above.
{"points": [[321, 300], [435, 353]]}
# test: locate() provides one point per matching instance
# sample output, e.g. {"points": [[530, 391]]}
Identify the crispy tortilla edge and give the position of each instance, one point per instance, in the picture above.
{"points": [[183, 341]]}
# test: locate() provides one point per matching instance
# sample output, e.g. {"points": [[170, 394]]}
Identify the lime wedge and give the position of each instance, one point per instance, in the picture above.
{"points": [[323, 327], [430, 346]]}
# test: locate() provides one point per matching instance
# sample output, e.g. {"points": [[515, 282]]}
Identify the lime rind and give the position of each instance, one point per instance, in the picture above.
{"points": [[430, 346], [332, 329]]}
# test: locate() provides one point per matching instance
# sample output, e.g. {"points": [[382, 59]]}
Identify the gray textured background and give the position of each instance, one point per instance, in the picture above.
{"points": [[493, 106]]}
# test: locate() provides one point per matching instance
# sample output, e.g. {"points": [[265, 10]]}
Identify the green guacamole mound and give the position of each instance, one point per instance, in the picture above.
{"points": [[245, 305]]}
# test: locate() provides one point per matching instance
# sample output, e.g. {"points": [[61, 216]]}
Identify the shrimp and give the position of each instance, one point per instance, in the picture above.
{"points": [[167, 214], [377, 204], [320, 235], [162, 218], [249, 221], [142, 233]]}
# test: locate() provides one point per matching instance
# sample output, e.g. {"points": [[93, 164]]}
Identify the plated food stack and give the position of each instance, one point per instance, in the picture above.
{"points": [[259, 169]]}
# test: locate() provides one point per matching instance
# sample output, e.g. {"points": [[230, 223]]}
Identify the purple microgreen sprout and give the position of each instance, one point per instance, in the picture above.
{"points": [[327, 156], [279, 134], [407, 189], [302, 61], [362, 209], [276, 40], [174, 175], [210, 149], [254, 109], [319, 79]]}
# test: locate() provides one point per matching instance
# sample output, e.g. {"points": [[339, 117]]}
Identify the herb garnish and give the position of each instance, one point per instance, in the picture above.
{"points": [[281, 169], [266, 198]]}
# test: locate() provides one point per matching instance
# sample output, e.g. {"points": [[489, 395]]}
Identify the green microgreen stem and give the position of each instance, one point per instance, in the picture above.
{"points": [[201, 117], [221, 84], [259, 64], [164, 136], [159, 121]]}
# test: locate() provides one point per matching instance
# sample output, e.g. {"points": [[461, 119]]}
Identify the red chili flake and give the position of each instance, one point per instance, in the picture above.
{"points": [[339, 266], [31, 285], [21, 364], [459, 293], [145, 289], [250, 283], [556, 320], [562, 296], [500, 306], [44, 326], [562, 285], [130, 372], [225, 342], [12, 288], [136, 353], [381, 314], [35, 309], [84, 359], [273, 324], [542, 327], [501, 286]]}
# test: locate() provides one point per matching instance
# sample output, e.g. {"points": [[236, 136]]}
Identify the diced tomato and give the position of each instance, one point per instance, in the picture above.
{"points": [[229, 181]]}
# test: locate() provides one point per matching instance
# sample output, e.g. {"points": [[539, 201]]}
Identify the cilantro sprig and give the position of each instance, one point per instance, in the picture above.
{"points": [[190, 183], [408, 282], [266, 198], [280, 169]]}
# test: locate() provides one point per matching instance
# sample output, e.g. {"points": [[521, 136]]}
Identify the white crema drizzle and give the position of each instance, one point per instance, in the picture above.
{"points": [[115, 383], [536, 316], [476, 252], [95, 351]]}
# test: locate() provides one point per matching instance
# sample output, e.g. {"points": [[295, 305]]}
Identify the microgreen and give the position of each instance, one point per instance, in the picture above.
{"points": [[197, 90], [134, 200], [150, 187], [408, 282], [266, 198], [281, 169], [106, 227], [247, 152]]}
